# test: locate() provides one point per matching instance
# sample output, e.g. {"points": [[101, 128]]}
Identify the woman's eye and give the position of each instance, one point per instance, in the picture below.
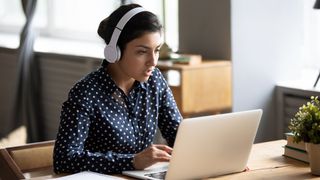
{"points": [[142, 52]]}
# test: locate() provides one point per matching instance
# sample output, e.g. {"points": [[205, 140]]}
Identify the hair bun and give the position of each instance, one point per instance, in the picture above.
{"points": [[103, 28]]}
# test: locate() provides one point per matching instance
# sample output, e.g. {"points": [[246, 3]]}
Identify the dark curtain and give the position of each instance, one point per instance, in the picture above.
{"points": [[27, 105], [317, 4], [126, 2]]}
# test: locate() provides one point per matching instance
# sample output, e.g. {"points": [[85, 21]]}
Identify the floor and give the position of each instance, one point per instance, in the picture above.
{"points": [[16, 137]]}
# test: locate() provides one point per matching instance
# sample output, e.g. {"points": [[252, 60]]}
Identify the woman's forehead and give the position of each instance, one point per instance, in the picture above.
{"points": [[149, 39]]}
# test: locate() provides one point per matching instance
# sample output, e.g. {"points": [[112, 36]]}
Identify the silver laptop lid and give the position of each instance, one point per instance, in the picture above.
{"points": [[214, 145]]}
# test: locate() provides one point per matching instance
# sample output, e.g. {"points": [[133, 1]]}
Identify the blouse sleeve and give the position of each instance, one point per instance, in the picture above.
{"points": [[169, 114], [70, 156]]}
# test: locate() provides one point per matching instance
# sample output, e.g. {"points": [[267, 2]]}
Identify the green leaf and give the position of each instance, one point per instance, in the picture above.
{"points": [[305, 125]]}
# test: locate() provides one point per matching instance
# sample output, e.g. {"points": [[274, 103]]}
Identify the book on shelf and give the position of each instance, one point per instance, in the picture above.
{"points": [[300, 146], [295, 150], [190, 59], [296, 154]]}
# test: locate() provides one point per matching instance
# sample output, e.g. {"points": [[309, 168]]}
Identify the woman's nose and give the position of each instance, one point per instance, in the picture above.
{"points": [[153, 59]]}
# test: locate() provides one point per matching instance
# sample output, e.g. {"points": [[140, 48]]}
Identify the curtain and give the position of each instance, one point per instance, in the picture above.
{"points": [[27, 105], [126, 2]]}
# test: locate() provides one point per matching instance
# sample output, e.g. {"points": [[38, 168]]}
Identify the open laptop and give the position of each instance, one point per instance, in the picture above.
{"points": [[208, 146]]}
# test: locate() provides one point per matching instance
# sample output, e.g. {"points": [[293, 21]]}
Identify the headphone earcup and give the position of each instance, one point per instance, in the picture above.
{"points": [[118, 53], [111, 53]]}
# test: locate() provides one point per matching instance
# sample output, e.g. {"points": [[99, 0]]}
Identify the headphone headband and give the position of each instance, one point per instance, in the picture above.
{"points": [[112, 52], [123, 21]]}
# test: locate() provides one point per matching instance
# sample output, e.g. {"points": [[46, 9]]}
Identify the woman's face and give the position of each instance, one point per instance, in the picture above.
{"points": [[140, 56]]}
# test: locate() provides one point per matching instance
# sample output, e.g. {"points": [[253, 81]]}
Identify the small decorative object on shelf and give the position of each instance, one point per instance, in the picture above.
{"points": [[305, 126], [191, 59], [168, 57], [165, 52]]}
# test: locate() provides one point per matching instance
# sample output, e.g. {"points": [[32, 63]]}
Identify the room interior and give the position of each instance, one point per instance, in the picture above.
{"points": [[61, 63], [263, 42]]}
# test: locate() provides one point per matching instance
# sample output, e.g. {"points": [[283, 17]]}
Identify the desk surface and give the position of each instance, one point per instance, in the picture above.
{"points": [[266, 162]]}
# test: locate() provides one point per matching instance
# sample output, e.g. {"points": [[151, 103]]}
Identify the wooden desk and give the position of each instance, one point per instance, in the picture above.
{"points": [[201, 89], [265, 162]]}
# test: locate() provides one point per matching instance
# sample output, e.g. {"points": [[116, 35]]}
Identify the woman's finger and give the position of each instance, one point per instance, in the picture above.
{"points": [[163, 147]]}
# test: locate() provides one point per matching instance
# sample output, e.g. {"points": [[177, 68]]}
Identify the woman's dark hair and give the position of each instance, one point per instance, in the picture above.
{"points": [[136, 27]]}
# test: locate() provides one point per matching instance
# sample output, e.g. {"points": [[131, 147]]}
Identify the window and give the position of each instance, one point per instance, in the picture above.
{"points": [[76, 18], [168, 15], [11, 16], [79, 19], [311, 46]]}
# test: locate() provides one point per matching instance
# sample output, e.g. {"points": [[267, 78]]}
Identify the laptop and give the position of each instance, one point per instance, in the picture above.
{"points": [[208, 146]]}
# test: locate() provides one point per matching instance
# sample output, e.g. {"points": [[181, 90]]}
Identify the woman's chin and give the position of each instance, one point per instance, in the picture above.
{"points": [[143, 79]]}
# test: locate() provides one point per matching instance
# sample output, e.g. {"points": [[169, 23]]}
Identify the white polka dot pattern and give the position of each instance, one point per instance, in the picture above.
{"points": [[101, 128]]}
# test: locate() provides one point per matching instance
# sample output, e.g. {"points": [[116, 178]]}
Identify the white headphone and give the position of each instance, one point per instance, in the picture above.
{"points": [[112, 51]]}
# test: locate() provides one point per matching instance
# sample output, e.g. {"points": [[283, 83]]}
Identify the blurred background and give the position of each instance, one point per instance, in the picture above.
{"points": [[272, 47]]}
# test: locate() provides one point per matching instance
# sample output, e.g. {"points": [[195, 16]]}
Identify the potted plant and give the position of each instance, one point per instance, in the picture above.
{"points": [[305, 126]]}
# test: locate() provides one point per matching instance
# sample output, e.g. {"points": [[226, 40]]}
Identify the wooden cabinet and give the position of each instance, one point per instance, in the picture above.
{"points": [[200, 89]]}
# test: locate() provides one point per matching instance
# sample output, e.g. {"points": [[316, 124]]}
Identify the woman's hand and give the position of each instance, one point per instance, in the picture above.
{"points": [[151, 155]]}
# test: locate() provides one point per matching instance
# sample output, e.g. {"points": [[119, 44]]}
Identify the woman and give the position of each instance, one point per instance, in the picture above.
{"points": [[110, 118]]}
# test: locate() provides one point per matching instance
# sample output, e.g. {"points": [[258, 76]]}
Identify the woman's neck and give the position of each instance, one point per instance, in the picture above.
{"points": [[124, 82]]}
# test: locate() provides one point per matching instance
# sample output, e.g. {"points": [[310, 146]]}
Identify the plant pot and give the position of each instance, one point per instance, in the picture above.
{"points": [[314, 157]]}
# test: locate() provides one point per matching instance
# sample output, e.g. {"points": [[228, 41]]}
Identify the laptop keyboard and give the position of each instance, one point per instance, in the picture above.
{"points": [[157, 175]]}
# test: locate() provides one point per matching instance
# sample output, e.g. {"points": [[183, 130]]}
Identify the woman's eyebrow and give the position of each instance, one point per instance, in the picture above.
{"points": [[147, 47], [143, 46]]}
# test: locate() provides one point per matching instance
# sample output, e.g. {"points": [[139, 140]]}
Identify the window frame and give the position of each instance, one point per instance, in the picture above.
{"points": [[50, 31]]}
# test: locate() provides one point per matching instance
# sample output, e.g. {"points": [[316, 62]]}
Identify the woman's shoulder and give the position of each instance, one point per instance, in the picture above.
{"points": [[88, 81], [157, 78], [157, 75]]}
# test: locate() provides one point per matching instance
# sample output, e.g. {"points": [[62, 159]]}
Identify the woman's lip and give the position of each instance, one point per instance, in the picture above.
{"points": [[149, 72]]}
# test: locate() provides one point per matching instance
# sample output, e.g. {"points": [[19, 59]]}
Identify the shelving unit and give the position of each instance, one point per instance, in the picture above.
{"points": [[202, 88]]}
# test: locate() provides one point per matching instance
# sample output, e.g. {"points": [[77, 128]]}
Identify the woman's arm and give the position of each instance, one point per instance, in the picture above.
{"points": [[70, 154], [169, 114]]}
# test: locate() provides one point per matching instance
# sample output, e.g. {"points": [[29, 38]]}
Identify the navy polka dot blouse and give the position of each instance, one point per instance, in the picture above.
{"points": [[101, 128]]}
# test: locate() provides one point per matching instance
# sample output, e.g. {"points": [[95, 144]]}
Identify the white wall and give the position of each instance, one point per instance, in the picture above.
{"points": [[267, 38]]}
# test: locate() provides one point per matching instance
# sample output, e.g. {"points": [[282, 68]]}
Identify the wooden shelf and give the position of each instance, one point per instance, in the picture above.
{"points": [[202, 88]]}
